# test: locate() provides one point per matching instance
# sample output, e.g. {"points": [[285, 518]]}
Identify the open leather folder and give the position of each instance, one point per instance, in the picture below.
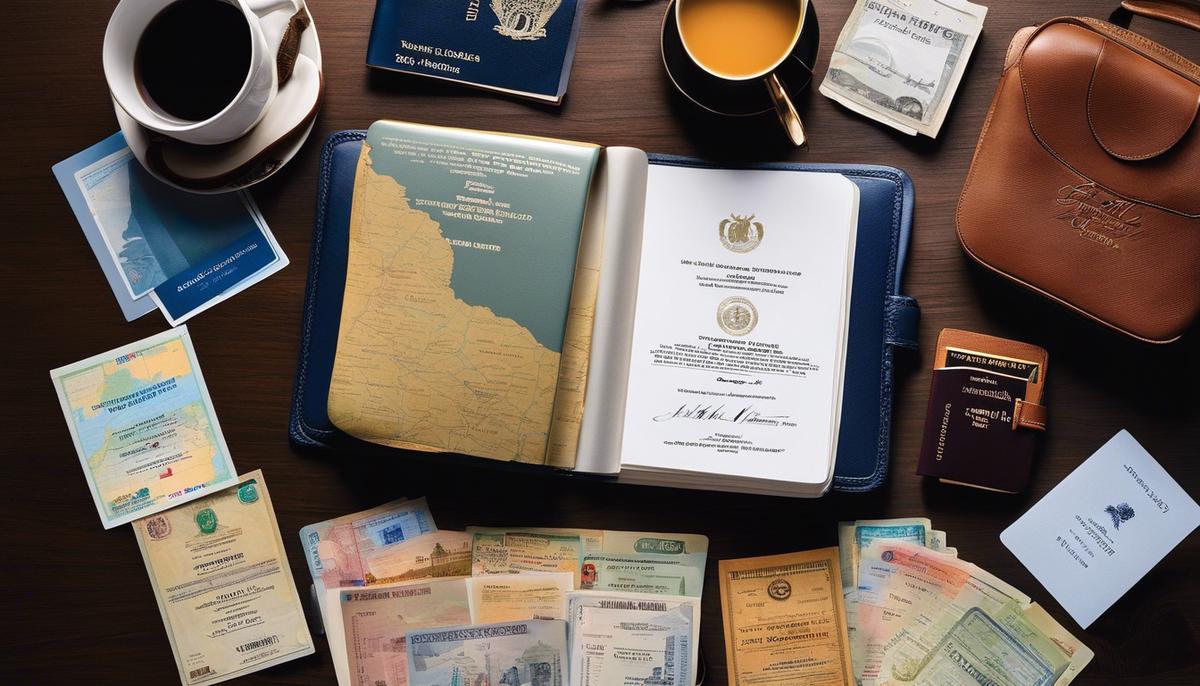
{"points": [[628, 191]]}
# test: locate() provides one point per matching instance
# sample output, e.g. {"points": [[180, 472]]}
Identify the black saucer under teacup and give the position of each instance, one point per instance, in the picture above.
{"points": [[737, 98]]}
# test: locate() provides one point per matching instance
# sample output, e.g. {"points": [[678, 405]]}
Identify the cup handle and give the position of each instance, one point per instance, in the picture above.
{"points": [[289, 45], [786, 111]]}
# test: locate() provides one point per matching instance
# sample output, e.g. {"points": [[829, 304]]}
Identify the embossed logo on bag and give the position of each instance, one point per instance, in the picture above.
{"points": [[740, 234], [1098, 215]]}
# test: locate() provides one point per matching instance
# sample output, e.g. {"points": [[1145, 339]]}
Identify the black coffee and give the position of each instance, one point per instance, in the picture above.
{"points": [[194, 57]]}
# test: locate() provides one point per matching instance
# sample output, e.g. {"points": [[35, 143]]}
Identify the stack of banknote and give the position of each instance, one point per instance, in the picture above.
{"points": [[406, 603], [917, 614]]}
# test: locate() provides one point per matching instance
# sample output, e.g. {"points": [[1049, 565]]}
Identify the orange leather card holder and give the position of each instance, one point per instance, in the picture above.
{"points": [[959, 348]]}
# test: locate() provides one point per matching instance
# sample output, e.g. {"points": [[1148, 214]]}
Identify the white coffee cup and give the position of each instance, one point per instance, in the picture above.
{"points": [[130, 19]]}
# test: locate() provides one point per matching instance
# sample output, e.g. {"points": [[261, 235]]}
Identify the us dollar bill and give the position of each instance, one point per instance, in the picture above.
{"points": [[899, 62]]}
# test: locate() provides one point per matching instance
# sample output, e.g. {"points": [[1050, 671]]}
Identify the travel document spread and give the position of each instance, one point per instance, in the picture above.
{"points": [[918, 615], [552, 303], [403, 602]]}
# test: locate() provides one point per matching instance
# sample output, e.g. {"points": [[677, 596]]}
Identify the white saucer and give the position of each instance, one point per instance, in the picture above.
{"points": [[232, 166]]}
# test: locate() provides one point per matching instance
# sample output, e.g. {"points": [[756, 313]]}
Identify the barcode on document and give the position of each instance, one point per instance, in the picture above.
{"points": [[260, 643]]}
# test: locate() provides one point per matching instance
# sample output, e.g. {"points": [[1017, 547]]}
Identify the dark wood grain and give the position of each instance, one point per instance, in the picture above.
{"points": [[76, 604]]}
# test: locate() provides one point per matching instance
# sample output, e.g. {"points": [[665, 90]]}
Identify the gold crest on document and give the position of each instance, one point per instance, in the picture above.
{"points": [[737, 316], [740, 234]]}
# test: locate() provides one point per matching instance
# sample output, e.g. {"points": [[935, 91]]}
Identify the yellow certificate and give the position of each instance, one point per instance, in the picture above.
{"points": [[784, 620], [223, 584]]}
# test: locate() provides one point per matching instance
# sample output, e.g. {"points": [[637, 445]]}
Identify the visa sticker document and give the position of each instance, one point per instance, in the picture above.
{"points": [[162, 246], [1103, 528], [144, 427]]}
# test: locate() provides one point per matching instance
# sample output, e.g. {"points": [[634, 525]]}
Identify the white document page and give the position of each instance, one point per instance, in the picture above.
{"points": [[1100, 530], [739, 338]]}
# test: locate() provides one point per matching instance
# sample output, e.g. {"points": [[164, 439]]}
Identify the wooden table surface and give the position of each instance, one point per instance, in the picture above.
{"points": [[76, 603]]}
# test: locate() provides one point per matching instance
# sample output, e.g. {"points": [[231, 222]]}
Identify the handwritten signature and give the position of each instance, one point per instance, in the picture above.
{"points": [[719, 413]]}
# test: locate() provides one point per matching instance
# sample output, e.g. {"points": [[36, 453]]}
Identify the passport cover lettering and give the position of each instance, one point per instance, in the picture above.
{"points": [[522, 47]]}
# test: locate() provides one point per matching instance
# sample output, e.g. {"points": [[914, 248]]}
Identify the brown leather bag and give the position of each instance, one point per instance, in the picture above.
{"points": [[1085, 185]]}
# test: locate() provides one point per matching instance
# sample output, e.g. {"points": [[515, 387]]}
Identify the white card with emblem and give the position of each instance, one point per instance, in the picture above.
{"points": [[1103, 528]]}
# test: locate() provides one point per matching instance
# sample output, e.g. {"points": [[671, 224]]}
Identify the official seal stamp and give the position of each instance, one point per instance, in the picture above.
{"points": [[737, 316], [740, 234], [158, 527], [248, 492], [779, 589], [206, 519]]}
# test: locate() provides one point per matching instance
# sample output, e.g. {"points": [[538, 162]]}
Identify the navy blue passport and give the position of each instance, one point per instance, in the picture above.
{"points": [[881, 319], [520, 47]]}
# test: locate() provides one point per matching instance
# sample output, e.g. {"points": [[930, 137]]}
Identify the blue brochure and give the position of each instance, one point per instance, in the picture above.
{"points": [[521, 47], [162, 246], [64, 171]]}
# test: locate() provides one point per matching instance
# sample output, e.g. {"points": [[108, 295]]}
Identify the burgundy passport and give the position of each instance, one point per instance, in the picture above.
{"points": [[985, 411]]}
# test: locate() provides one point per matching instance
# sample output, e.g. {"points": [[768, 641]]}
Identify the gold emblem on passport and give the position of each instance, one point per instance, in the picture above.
{"points": [[740, 234], [737, 316], [523, 19]]}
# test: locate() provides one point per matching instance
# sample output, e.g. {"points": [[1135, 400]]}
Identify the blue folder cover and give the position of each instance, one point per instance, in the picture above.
{"points": [[880, 318], [523, 47]]}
